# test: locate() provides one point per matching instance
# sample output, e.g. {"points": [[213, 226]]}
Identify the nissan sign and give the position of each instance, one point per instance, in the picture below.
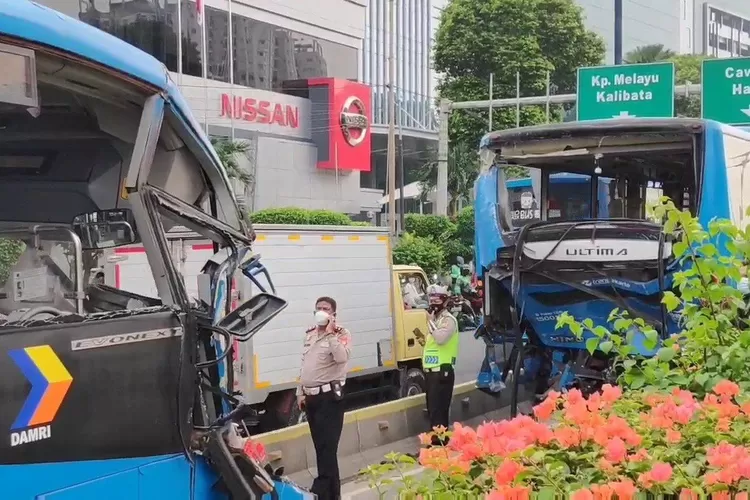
{"points": [[354, 122]]}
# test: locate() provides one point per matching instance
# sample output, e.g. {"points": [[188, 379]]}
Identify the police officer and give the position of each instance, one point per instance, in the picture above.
{"points": [[439, 357], [320, 393]]}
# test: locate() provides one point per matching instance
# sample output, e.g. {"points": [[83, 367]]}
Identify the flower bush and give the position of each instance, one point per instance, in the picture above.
{"points": [[609, 446], [677, 426]]}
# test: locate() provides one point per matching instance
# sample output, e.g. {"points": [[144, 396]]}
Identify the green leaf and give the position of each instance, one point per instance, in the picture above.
{"points": [[652, 338], [546, 493], [671, 301], [606, 346], [679, 249], [638, 382], [665, 354], [702, 378], [592, 344]]}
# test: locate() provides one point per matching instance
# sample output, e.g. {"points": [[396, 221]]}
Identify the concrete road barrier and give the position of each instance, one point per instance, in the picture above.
{"points": [[376, 426]]}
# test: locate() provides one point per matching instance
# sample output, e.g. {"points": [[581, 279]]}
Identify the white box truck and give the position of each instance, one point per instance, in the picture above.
{"points": [[351, 264]]}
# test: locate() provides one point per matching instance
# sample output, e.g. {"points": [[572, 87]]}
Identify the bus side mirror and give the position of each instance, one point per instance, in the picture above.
{"points": [[252, 315]]}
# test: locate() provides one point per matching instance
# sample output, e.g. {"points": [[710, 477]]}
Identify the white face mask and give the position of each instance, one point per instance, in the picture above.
{"points": [[321, 318], [744, 286]]}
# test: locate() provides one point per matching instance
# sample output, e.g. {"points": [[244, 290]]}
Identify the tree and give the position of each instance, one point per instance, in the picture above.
{"points": [[463, 168], [688, 70], [648, 54], [502, 37], [228, 152]]}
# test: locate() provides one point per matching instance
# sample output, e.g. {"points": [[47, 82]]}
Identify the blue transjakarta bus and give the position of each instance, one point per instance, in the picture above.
{"points": [[573, 233], [108, 394]]}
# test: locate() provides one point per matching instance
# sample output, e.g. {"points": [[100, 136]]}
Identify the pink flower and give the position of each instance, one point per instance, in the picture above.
{"points": [[582, 494], [616, 451]]}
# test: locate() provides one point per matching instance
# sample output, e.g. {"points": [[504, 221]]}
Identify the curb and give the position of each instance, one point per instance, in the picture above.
{"points": [[375, 426]]}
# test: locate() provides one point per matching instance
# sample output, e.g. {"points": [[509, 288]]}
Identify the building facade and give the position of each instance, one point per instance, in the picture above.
{"points": [[719, 28], [415, 117], [722, 27], [279, 74]]}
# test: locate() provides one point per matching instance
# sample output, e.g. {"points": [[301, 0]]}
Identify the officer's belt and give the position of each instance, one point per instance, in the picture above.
{"points": [[314, 391]]}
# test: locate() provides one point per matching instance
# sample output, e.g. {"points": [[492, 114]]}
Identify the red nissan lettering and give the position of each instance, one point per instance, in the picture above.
{"points": [[278, 115], [250, 113], [264, 113]]}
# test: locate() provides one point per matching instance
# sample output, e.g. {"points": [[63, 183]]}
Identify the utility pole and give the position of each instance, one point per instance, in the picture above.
{"points": [[441, 205], [401, 180], [618, 31], [391, 120]]}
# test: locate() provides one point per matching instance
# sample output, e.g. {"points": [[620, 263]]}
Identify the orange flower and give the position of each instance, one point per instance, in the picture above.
{"points": [[673, 436], [611, 393], [616, 451], [687, 494], [602, 491], [726, 390], [574, 396], [723, 425], [507, 472], [660, 473], [425, 439], [625, 489], [544, 410], [582, 494], [607, 467], [567, 437], [638, 456]]}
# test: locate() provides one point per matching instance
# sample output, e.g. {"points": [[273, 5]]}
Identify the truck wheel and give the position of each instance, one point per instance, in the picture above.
{"points": [[414, 383]]}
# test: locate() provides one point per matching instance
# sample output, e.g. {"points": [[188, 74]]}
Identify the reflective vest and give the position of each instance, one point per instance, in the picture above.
{"points": [[435, 354]]}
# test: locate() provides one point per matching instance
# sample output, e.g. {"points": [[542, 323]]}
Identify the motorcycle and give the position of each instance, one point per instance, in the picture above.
{"points": [[462, 310]]}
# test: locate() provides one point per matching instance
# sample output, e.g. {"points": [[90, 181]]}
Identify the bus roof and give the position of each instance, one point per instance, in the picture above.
{"points": [[496, 140], [26, 20]]}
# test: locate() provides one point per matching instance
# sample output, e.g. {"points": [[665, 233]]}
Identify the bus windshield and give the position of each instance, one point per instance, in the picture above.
{"points": [[572, 196]]}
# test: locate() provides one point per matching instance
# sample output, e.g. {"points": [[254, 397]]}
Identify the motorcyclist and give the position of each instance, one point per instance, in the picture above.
{"points": [[456, 270], [462, 284]]}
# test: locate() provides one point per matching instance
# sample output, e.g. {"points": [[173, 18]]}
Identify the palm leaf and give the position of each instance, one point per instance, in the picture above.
{"points": [[228, 152]]}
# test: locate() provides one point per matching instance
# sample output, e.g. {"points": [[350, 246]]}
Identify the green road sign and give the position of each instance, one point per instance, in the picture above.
{"points": [[631, 90], [725, 95]]}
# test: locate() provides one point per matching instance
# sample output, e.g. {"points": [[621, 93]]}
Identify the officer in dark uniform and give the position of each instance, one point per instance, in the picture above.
{"points": [[320, 393]]}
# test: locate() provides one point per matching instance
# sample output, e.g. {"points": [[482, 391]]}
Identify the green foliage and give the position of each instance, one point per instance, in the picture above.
{"points": [[714, 341], [228, 152], [454, 248], [463, 168], [424, 252], [649, 54], [688, 69], [329, 218], [10, 250], [501, 37], [465, 226], [437, 227], [300, 216]]}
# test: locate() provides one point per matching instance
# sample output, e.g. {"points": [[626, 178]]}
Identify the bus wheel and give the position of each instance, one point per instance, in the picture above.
{"points": [[414, 383]]}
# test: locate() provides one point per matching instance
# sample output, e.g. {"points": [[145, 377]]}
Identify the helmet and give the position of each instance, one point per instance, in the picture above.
{"points": [[438, 295]]}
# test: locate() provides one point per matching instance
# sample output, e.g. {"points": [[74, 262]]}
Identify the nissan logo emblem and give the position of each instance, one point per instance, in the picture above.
{"points": [[354, 121]]}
